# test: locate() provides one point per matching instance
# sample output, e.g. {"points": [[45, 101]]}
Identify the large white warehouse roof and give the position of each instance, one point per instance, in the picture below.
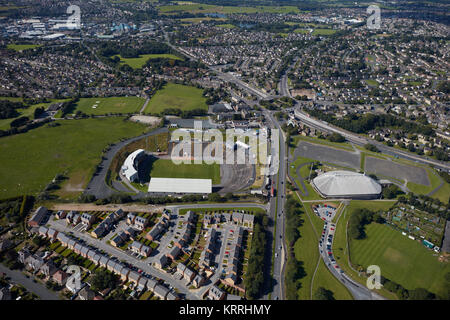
{"points": [[176, 185], [346, 184]]}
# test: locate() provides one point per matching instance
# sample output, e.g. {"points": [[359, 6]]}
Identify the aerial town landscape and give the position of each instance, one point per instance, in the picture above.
{"points": [[235, 151]]}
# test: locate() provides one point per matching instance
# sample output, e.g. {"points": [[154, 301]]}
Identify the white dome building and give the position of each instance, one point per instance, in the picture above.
{"points": [[346, 184]]}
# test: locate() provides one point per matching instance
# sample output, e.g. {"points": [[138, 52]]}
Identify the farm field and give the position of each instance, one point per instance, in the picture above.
{"points": [[401, 259], [101, 106], [31, 160], [137, 63], [162, 168], [176, 96]]}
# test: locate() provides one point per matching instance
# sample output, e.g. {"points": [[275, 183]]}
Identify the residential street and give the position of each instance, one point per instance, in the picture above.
{"points": [[34, 287]]}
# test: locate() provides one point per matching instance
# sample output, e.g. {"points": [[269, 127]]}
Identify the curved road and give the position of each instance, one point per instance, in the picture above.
{"points": [[97, 186]]}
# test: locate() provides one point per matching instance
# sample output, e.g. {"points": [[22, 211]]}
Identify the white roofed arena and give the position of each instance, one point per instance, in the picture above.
{"points": [[347, 185]]}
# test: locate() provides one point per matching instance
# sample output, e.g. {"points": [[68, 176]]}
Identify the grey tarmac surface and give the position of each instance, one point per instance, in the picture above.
{"points": [[396, 170], [325, 154]]}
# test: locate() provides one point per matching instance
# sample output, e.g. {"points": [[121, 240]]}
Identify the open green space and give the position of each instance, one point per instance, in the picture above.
{"points": [[340, 249], [443, 193], [162, 168], [323, 32], [325, 279], [22, 47], [372, 83], [201, 19], [26, 112], [226, 26], [401, 259], [101, 106], [176, 96], [193, 7], [306, 251], [74, 147], [435, 181], [304, 172], [137, 63]]}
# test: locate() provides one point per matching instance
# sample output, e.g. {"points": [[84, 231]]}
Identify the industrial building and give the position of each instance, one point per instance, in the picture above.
{"points": [[176, 185]]}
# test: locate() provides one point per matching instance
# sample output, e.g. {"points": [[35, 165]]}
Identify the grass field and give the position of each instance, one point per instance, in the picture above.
{"points": [[401, 259], [22, 47], [372, 83], [27, 112], [31, 160], [177, 96], [306, 251], [198, 20], [162, 168], [325, 279], [193, 7], [435, 181], [323, 32], [137, 63], [340, 238], [304, 171], [226, 26], [110, 105]]}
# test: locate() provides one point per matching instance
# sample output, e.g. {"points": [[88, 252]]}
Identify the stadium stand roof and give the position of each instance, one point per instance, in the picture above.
{"points": [[129, 166], [346, 184], [177, 185]]}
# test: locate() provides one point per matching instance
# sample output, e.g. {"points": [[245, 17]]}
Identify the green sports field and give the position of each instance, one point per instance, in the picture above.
{"points": [[137, 63], [162, 168], [177, 96], [401, 259], [100, 106], [22, 47], [31, 160]]}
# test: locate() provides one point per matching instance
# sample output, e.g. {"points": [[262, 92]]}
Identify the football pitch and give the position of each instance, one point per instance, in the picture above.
{"points": [[162, 168]]}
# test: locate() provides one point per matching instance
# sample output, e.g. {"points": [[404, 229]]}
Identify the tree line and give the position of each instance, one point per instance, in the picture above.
{"points": [[367, 122]]}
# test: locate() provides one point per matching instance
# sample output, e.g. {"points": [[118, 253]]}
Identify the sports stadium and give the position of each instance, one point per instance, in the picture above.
{"points": [[347, 185]]}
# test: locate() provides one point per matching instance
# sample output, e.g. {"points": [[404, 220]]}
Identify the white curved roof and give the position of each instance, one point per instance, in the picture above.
{"points": [[345, 183], [128, 166]]}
